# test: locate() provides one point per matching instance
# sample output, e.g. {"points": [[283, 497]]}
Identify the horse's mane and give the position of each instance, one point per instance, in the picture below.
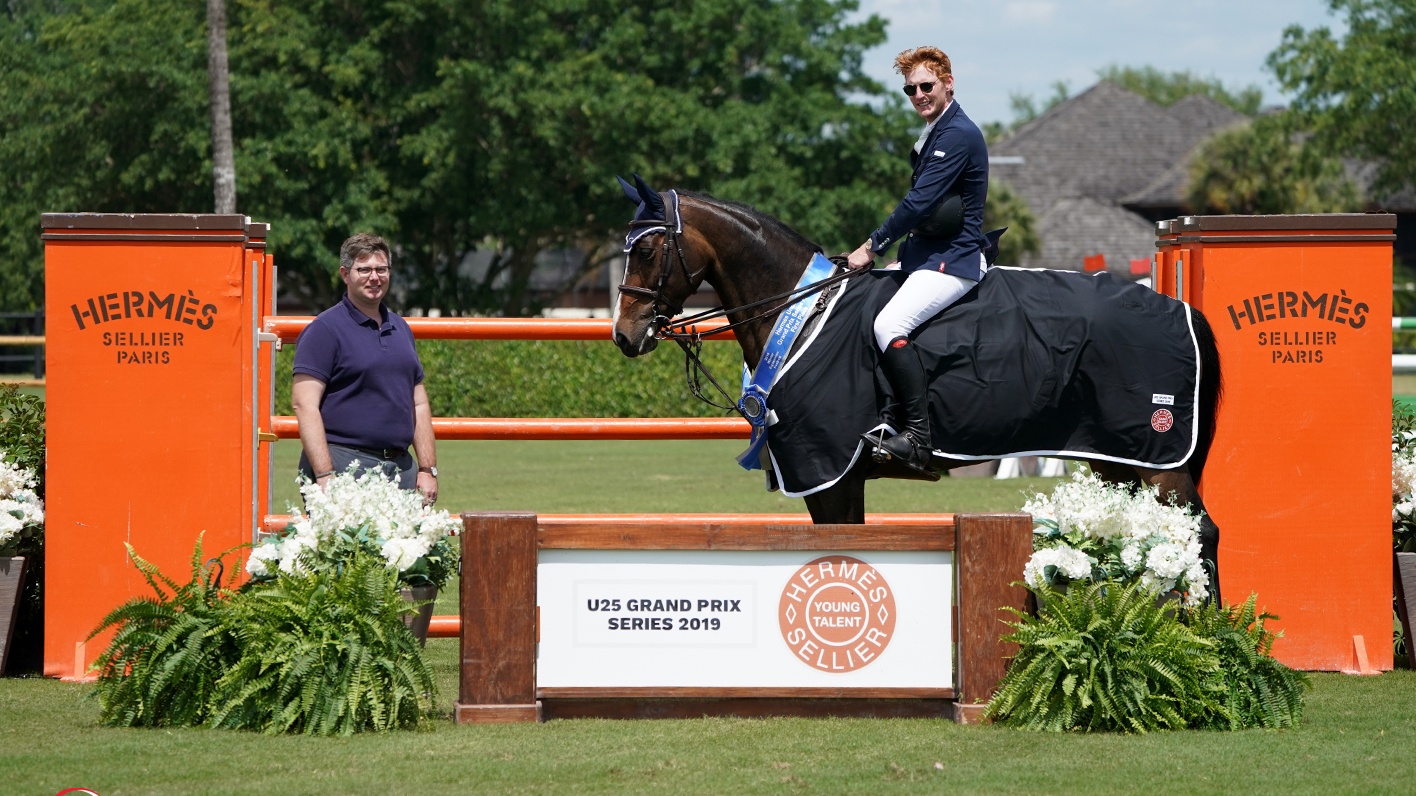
{"points": [[763, 219]]}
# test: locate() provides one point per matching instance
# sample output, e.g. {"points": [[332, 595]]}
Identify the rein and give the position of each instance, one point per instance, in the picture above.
{"points": [[665, 327]]}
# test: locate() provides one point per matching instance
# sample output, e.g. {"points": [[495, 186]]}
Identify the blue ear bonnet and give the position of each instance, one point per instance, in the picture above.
{"points": [[651, 208]]}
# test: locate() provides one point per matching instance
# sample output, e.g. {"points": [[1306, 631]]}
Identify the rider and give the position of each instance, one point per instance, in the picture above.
{"points": [[940, 221]]}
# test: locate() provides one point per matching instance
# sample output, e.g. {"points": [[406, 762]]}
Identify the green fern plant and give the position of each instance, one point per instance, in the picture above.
{"points": [[325, 653], [1259, 691], [168, 651], [1106, 656]]}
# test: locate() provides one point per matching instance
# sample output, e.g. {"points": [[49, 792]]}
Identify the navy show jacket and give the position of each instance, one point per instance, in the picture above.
{"points": [[954, 158]]}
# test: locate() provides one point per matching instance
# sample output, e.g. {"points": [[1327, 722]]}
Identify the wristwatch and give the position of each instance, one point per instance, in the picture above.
{"points": [[433, 471]]}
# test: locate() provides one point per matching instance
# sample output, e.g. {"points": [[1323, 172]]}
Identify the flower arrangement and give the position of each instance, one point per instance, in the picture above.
{"points": [[1403, 479], [21, 509], [1108, 653], [1089, 530], [366, 512]]}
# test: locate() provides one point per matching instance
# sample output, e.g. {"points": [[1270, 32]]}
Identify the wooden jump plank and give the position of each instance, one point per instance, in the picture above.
{"points": [[629, 534]]}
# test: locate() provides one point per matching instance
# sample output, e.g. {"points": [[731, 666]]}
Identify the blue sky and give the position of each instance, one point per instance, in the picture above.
{"points": [[1000, 47]]}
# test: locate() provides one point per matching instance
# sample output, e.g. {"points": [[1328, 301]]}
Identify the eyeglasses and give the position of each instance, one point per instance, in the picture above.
{"points": [[363, 272], [925, 87]]}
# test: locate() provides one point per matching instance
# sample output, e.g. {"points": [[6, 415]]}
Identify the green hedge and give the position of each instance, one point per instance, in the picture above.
{"points": [[556, 378]]}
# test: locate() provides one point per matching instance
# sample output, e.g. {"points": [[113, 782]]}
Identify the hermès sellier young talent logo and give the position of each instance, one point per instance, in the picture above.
{"points": [[837, 614]]}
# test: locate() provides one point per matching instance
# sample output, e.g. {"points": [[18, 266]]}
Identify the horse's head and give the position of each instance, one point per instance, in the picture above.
{"points": [[658, 278]]}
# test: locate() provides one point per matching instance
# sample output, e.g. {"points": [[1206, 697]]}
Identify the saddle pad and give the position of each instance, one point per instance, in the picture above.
{"points": [[1029, 362]]}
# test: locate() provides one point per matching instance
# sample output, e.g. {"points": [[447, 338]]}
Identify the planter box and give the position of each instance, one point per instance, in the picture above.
{"points": [[12, 582], [1403, 583], [418, 623]]}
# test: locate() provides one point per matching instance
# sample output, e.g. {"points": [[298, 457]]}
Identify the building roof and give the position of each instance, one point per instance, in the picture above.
{"points": [[1093, 153], [1075, 228]]}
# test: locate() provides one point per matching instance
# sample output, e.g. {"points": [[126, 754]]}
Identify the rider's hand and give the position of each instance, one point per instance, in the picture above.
{"points": [[862, 257]]}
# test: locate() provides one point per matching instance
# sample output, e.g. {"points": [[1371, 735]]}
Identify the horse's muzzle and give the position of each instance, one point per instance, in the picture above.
{"points": [[647, 342]]}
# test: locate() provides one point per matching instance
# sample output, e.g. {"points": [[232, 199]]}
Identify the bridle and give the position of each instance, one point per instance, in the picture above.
{"points": [[684, 331], [670, 251]]}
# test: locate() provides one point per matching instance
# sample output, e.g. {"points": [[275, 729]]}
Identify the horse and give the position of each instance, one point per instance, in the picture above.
{"points": [[754, 262]]}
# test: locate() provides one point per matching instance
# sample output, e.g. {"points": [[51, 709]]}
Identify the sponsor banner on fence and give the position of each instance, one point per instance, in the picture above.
{"points": [[807, 619]]}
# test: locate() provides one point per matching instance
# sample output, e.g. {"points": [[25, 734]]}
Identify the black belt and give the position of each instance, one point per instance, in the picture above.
{"points": [[387, 454]]}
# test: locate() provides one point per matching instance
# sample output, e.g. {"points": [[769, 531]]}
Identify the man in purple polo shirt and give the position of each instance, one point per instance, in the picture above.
{"points": [[358, 386]]}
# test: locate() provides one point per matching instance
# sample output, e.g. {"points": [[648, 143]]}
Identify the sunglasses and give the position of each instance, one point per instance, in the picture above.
{"points": [[925, 87]]}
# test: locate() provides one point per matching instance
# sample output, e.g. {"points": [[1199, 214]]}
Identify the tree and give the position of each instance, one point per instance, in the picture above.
{"points": [[1004, 208], [223, 165], [1358, 95], [1264, 167], [102, 108], [1167, 88], [449, 127], [746, 99]]}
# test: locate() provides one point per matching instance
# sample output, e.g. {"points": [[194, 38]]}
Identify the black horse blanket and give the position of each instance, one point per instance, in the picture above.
{"points": [[1030, 362]]}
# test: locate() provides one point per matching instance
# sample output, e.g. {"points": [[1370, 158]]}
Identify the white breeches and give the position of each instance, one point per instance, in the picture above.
{"points": [[920, 298]]}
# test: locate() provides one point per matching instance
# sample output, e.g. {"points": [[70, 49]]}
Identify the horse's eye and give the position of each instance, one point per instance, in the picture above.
{"points": [[645, 253]]}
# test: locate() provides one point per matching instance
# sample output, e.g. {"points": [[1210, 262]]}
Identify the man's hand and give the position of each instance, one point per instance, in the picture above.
{"points": [[428, 487], [862, 257]]}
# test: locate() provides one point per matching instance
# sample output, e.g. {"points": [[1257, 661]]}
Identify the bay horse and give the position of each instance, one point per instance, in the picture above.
{"points": [[753, 261]]}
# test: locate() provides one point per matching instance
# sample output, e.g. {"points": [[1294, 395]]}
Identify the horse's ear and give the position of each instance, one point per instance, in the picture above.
{"points": [[650, 197], [629, 191]]}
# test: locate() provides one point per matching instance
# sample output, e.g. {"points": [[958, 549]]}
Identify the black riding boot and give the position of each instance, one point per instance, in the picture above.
{"points": [[912, 445]]}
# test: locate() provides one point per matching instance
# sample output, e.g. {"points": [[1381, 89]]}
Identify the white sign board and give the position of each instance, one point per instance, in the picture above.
{"points": [[745, 619]]}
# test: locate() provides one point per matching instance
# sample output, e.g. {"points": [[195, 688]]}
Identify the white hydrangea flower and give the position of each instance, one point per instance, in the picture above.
{"points": [[403, 553], [369, 507], [1403, 474], [264, 558], [1069, 561], [1125, 530], [20, 507]]}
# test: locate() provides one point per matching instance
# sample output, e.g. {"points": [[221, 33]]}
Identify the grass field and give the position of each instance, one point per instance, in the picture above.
{"points": [[1359, 734], [668, 476]]}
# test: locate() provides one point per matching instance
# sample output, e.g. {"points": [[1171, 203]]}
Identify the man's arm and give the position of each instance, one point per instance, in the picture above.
{"points": [[305, 394], [424, 444]]}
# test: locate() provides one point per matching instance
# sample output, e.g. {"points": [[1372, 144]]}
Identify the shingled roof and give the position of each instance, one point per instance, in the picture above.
{"points": [[1079, 162]]}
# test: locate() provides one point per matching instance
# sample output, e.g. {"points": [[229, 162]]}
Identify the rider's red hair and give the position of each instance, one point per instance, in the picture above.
{"points": [[931, 57]]}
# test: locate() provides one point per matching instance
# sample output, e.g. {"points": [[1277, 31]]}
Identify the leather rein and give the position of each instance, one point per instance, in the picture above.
{"points": [[683, 332]]}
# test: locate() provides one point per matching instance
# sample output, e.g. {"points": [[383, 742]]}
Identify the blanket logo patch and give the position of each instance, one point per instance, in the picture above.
{"points": [[1162, 420], [837, 614]]}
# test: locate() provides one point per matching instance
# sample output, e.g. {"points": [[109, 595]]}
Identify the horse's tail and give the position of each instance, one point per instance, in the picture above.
{"points": [[1211, 391]]}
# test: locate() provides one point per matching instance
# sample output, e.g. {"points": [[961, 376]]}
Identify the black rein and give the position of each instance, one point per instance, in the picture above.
{"points": [[692, 341]]}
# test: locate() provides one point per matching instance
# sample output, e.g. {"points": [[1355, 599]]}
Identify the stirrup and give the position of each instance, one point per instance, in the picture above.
{"points": [[910, 463], [876, 443], [880, 455]]}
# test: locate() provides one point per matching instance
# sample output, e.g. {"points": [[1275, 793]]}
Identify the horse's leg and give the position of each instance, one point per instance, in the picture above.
{"points": [[1181, 486], [843, 503], [1114, 473]]}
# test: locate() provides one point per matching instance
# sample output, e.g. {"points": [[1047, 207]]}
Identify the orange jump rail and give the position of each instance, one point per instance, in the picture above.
{"points": [[288, 327], [549, 428]]}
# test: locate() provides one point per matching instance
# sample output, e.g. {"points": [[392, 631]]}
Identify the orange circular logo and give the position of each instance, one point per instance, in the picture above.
{"points": [[837, 614], [1162, 420]]}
